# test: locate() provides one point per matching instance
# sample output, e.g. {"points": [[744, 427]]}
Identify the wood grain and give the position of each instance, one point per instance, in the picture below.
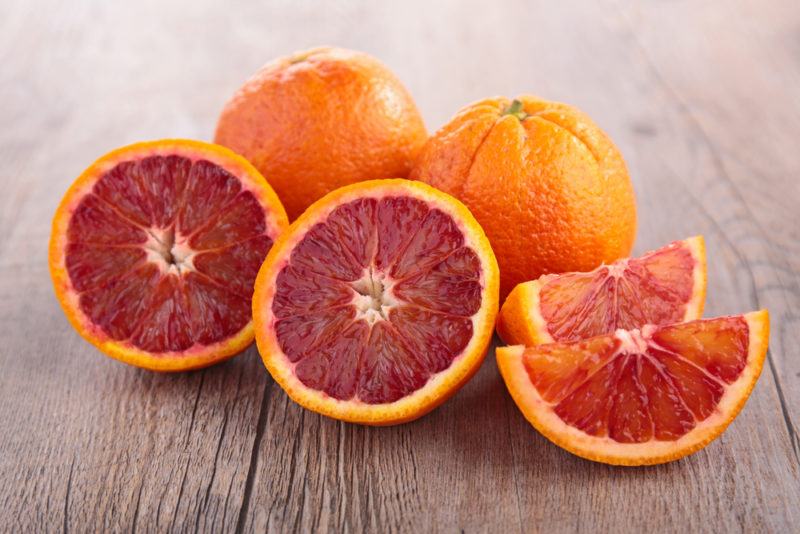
{"points": [[701, 98]]}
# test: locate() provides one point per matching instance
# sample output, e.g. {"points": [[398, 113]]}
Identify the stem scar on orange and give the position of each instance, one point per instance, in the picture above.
{"points": [[544, 181], [378, 303], [155, 248]]}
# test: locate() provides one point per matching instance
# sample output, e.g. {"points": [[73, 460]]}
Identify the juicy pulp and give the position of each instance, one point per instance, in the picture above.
{"points": [[376, 299]]}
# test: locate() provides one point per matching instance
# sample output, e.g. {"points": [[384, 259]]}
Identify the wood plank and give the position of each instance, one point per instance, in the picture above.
{"points": [[700, 98]]}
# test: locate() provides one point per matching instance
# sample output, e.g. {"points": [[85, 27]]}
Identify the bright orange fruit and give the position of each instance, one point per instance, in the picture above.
{"points": [[378, 303], [321, 119], [546, 184], [155, 248], [641, 396], [664, 286]]}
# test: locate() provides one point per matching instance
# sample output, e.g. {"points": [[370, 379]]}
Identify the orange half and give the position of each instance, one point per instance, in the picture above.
{"points": [[155, 248], [664, 286], [378, 303], [639, 397]]}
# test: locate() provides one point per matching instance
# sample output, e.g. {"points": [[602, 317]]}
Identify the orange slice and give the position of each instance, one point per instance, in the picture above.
{"points": [[155, 248], [378, 303], [639, 397], [664, 286]]}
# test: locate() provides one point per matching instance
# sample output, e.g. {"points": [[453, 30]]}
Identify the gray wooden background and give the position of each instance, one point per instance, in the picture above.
{"points": [[702, 97]]}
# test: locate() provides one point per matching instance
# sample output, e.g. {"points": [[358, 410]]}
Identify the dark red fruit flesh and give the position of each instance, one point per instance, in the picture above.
{"points": [[637, 387], [172, 302], [653, 289], [376, 299]]}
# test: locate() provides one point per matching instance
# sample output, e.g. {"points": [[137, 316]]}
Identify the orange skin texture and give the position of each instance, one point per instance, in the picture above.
{"points": [[547, 185], [322, 119]]}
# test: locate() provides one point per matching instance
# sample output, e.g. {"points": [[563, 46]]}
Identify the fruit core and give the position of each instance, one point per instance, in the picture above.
{"points": [[169, 250], [373, 297], [376, 299]]}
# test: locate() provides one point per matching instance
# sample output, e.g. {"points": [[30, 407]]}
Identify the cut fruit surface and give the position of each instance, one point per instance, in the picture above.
{"points": [[378, 303], [639, 397], [155, 248], [664, 286]]}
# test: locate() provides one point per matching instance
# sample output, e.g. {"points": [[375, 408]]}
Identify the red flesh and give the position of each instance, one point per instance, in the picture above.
{"points": [[128, 296], [658, 391], [653, 289], [435, 283]]}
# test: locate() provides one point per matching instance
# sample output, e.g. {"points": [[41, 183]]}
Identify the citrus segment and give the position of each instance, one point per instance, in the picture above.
{"points": [[639, 396], [377, 303], [661, 287], [155, 249]]}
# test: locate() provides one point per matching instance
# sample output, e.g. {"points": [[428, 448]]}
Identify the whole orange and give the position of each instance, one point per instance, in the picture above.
{"points": [[321, 119], [547, 185]]}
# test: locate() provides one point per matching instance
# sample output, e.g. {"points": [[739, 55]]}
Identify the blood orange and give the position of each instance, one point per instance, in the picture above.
{"points": [[155, 248], [378, 303], [664, 286], [639, 397]]}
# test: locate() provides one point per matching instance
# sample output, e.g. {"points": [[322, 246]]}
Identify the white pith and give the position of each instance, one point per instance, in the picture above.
{"points": [[169, 251], [633, 341], [373, 297], [617, 269]]}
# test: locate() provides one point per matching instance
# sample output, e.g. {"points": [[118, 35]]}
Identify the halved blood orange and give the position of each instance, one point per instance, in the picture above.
{"points": [[155, 248], [378, 303], [664, 286], [639, 397]]}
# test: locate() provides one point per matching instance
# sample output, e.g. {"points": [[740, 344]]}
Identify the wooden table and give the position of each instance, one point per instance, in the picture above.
{"points": [[703, 98]]}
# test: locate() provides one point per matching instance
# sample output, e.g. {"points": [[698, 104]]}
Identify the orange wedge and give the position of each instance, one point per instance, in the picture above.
{"points": [[639, 397], [664, 286]]}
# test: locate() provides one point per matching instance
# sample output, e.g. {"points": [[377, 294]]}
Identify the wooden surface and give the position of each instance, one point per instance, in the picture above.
{"points": [[702, 98]]}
